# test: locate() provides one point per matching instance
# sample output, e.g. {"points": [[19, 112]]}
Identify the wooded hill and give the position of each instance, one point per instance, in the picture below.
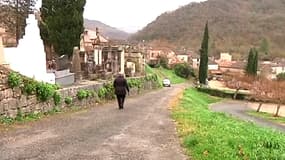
{"points": [[108, 31], [234, 26]]}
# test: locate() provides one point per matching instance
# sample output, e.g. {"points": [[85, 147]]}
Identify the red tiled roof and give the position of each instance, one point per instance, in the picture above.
{"points": [[236, 65], [91, 36]]}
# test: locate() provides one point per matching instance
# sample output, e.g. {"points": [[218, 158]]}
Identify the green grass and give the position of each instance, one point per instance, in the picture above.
{"points": [[208, 135], [149, 70], [166, 73], [267, 116]]}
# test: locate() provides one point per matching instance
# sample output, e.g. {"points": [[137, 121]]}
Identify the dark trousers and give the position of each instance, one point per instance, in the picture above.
{"points": [[121, 100]]}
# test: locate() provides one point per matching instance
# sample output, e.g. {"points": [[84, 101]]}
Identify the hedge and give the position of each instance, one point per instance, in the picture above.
{"points": [[223, 94]]}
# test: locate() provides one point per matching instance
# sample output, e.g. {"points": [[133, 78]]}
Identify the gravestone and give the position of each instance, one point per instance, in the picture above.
{"points": [[63, 76]]}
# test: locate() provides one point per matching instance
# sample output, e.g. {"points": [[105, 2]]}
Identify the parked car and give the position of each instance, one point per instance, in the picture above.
{"points": [[166, 83]]}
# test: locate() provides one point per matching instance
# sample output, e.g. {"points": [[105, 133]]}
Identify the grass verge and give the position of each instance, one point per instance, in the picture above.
{"points": [[267, 116], [166, 73], [208, 135]]}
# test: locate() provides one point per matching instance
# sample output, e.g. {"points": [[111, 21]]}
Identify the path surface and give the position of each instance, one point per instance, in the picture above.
{"points": [[239, 109], [142, 131]]}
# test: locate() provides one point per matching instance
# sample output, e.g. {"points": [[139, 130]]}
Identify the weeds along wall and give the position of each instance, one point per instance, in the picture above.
{"points": [[21, 95]]}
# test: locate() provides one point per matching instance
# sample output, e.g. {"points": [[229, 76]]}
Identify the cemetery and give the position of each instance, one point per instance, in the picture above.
{"points": [[34, 81]]}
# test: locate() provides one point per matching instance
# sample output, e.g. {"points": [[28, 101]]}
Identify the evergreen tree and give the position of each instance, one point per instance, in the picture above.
{"points": [[249, 66], [203, 68], [62, 24], [252, 62], [255, 62]]}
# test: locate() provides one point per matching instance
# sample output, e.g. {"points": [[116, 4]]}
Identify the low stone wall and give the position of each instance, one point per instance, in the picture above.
{"points": [[13, 102]]}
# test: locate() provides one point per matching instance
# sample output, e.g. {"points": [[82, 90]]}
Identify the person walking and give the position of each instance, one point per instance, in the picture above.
{"points": [[121, 89]]}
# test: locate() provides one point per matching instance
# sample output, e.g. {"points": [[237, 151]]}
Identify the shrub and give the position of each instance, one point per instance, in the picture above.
{"points": [[56, 98], [82, 94], [183, 70], [68, 100], [107, 91], [14, 79], [151, 77], [163, 61], [110, 91], [56, 86], [135, 83], [30, 86], [102, 92], [45, 91], [154, 65], [91, 94], [221, 93], [281, 77]]}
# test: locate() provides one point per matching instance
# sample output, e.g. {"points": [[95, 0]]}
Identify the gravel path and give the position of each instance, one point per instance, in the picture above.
{"points": [[239, 109], [142, 131]]}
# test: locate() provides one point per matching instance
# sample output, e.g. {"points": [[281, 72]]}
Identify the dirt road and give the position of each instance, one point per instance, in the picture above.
{"points": [[142, 131]]}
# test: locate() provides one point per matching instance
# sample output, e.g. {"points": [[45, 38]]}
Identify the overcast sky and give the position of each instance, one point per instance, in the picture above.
{"points": [[130, 15]]}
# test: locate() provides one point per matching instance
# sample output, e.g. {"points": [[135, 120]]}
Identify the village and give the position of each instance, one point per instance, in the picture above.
{"points": [[99, 58], [65, 98]]}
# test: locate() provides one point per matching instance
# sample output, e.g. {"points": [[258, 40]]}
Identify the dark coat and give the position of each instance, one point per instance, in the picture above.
{"points": [[121, 86]]}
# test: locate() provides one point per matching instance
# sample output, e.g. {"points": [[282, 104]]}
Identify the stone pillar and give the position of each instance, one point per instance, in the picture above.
{"points": [[100, 56], [122, 61], [76, 66], [96, 56], [116, 64]]}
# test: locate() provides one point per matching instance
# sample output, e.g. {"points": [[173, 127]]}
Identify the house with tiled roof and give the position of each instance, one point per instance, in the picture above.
{"points": [[183, 58], [153, 55], [234, 67], [91, 38], [278, 66]]}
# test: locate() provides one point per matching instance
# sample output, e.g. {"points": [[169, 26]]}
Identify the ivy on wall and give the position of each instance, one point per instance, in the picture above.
{"points": [[46, 91]]}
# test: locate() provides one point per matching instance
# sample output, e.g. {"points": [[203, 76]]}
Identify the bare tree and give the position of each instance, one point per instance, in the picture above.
{"points": [[260, 91], [239, 82], [264, 91], [278, 95]]}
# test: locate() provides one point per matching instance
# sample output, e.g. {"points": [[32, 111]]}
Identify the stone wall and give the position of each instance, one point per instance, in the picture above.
{"points": [[12, 101]]}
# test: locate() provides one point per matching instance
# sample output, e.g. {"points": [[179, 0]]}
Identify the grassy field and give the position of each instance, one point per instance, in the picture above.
{"points": [[166, 73], [267, 116], [208, 135]]}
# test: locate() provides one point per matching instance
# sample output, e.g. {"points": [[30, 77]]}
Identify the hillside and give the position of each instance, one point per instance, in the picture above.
{"points": [[235, 25], [108, 31]]}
